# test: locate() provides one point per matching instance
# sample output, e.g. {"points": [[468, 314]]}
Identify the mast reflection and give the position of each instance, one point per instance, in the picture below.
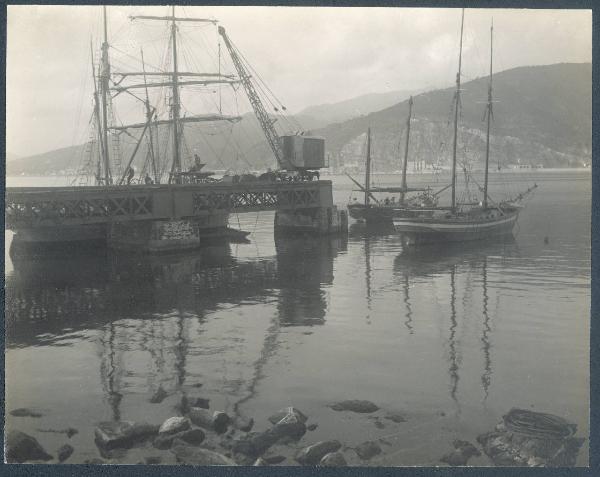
{"points": [[444, 263], [149, 303]]}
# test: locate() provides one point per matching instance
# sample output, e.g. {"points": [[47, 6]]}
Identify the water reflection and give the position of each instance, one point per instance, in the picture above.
{"points": [[448, 264], [148, 314]]}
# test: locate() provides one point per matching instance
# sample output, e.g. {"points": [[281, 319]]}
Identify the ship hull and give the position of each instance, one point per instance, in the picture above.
{"points": [[370, 214], [434, 230]]}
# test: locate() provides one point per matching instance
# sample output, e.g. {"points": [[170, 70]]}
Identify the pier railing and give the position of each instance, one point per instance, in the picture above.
{"points": [[51, 206]]}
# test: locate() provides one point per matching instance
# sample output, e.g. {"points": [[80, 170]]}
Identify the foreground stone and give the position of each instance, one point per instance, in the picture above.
{"points": [[174, 425], [201, 417], [395, 417], [256, 443], [122, 434], [199, 456], [313, 454], [507, 446], [367, 450], [64, 452], [159, 395], [25, 412], [244, 424], [21, 447], [220, 421], [192, 437], [287, 411], [355, 405], [463, 451], [334, 459]]}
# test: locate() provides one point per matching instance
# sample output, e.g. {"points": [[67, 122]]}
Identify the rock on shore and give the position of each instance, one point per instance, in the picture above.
{"points": [[313, 454], [122, 434], [198, 456], [21, 447]]}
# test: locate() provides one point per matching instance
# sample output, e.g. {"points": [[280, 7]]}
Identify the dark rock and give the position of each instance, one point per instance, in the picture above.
{"points": [[312, 427], [455, 458], [282, 413], [220, 421], [273, 459], [193, 436], [189, 437], [199, 456], [200, 402], [152, 460], [313, 454], [122, 434], [159, 395], [468, 449], [201, 417], [355, 405], [70, 432], [244, 446], [256, 443], [198, 385], [173, 425], [25, 412], [163, 441], [368, 450], [21, 447], [290, 426], [333, 459], [243, 423], [395, 417], [64, 452]]}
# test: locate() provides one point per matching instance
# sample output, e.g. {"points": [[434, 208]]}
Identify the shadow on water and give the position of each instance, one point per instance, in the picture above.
{"points": [[447, 262]]}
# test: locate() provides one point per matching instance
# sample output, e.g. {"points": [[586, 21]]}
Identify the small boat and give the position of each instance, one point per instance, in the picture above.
{"points": [[464, 221], [383, 211]]}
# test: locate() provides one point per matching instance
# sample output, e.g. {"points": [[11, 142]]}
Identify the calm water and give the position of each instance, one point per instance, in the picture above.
{"points": [[453, 338]]}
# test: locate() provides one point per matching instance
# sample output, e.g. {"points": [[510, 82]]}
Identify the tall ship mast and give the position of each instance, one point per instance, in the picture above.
{"points": [[172, 165], [464, 221]]}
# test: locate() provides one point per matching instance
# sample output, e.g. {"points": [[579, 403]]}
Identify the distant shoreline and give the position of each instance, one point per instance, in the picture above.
{"points": [[512, 171]]}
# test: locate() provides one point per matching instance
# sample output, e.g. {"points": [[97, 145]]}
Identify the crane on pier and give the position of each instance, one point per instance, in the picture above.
{"points": [[297, 152]]}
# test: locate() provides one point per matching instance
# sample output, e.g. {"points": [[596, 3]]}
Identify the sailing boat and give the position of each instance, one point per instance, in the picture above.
{"points": [[383, 212], [471, 221]]}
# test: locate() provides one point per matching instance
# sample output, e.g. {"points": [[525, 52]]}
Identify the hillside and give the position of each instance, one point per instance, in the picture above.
{"points": [[355, 107], [542, 115]]}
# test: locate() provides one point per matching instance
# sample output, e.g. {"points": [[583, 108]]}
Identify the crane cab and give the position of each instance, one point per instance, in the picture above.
{"points": [[302, 152]]}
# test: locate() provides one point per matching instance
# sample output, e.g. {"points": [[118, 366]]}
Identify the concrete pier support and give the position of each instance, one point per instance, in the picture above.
{"points": [[318, 221], [167, 235]]}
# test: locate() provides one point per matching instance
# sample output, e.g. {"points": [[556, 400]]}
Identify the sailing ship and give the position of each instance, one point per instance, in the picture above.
{"points": [[464, 221], [382, 212]]}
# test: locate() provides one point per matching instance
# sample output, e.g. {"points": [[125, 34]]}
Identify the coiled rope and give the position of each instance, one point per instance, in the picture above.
{"points": [[538, 424]]}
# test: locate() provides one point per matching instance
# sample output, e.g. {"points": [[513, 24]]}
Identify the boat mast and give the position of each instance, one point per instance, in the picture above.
{"points": [[368, 169], [97, 119], [149, 117], [489, 119], [405, 163], [175, 107], [104, 87], [456, 106]]}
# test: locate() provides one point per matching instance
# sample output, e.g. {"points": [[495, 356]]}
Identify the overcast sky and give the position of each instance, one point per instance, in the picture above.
{"points": [[307, 56]]}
